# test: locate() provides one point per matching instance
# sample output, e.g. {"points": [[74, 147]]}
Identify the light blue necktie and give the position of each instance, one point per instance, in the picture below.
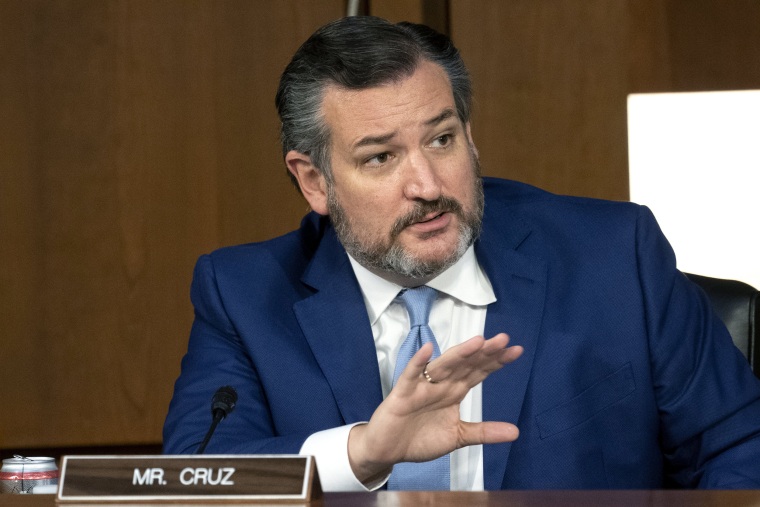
{"points": [[429, 475]]}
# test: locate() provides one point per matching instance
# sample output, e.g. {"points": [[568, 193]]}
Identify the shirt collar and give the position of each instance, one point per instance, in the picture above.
{"points": [[465, 281]]}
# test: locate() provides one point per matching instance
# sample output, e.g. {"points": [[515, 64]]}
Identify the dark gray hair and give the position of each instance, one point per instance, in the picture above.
{"points": [[356, 53]]}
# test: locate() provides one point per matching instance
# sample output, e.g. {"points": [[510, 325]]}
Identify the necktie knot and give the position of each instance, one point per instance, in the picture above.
{"points": [[418, 302]]}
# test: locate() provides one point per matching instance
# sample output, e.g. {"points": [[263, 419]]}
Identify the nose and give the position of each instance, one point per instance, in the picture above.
{"points": [[422, 179]]}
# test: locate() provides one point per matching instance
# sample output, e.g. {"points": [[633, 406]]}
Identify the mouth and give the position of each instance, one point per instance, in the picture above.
{"points": [[428, 217], [432, 223], [431, 217]]}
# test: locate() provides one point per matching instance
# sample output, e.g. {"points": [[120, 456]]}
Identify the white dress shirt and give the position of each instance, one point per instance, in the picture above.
{"points": [[458, 314]]}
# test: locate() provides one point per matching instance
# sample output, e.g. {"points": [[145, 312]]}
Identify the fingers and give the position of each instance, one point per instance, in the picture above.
{"points": [[512, 353], [489, 432], [474, 359], [418, 361], [479, 344], [420, 420], [468, 363]]}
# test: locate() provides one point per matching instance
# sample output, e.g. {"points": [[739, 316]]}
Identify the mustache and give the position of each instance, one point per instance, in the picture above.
{"points": [[421, 209]]}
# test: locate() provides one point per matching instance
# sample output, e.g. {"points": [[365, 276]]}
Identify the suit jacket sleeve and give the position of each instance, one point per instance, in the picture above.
{"points": [[216, 356], [706, 394]]}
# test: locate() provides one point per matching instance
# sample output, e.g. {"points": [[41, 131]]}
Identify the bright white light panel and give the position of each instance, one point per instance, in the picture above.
{"points": [[694, 159]]}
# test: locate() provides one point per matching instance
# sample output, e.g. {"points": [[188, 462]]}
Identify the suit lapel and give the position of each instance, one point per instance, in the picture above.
{"points": [[335, 323], [519, 283]]}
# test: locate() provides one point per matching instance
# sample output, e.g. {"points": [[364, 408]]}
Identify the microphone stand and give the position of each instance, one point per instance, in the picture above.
{"points": [[222, 403], [218, 416]]}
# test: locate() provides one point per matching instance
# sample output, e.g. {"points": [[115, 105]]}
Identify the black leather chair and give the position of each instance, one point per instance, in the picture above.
{"points": [[738, 306]]}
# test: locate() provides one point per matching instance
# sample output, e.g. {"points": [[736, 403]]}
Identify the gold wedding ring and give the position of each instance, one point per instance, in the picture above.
{"points": [[427, 375]]}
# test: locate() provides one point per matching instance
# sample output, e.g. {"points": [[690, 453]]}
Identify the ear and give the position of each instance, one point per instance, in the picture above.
{"points": [[469, 139], [310, 180]]}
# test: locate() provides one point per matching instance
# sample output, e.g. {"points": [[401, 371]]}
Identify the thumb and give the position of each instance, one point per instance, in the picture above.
{"points": [[488, 432]]}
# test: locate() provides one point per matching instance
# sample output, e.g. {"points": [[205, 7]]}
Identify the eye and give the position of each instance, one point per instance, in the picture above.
{"points": [[442, 141], [378, 160]]}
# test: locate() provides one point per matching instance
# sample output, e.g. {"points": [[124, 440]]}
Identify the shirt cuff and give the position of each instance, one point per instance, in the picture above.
{"points": [[334, 469]]}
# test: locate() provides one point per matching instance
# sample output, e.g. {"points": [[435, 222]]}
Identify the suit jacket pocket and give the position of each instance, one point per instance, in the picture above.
{"points": [[606, 392]]}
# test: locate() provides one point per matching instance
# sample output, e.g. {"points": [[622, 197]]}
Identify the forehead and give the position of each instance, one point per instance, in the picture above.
{"points": [[391, 107]]}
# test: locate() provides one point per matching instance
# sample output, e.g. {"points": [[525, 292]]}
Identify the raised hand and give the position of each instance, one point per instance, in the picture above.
{"points": [[419, 420]]}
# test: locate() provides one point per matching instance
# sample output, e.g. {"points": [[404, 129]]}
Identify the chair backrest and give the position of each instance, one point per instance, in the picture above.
{"points": [[738, 306]]}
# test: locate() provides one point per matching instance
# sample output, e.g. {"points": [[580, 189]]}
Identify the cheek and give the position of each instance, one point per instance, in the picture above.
{"points": [[375, 215], [363, 212], [374, 203], [378, 219], [463, 188]]}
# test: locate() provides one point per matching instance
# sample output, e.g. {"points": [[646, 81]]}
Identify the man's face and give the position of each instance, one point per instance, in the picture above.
{"points": [[406, 197]]}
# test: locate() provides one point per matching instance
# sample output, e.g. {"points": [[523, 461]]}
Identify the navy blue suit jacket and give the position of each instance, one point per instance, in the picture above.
{"points": [[628, 380]]}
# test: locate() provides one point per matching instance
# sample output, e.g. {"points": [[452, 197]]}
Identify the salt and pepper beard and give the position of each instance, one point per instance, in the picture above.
{"points": [[390, 256]]}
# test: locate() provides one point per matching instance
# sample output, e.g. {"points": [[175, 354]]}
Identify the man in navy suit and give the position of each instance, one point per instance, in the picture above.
{"points": [[604, 366]]}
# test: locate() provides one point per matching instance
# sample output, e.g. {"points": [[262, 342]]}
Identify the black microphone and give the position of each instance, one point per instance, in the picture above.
{"points": [[222, 404]]}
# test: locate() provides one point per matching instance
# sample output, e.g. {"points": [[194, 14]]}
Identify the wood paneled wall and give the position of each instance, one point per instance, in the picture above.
{"points": [[137, 134], [552, 76]]}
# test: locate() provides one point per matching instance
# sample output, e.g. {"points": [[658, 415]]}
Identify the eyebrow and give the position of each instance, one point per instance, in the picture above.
{"points": [[445, 115], [384, 138]]}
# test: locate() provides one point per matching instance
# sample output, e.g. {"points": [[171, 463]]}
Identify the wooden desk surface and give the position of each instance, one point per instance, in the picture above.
{"points": [[498, 498]]}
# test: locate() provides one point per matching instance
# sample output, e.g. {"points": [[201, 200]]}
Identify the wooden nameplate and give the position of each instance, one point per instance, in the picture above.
{"points": [[189, 479]]}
